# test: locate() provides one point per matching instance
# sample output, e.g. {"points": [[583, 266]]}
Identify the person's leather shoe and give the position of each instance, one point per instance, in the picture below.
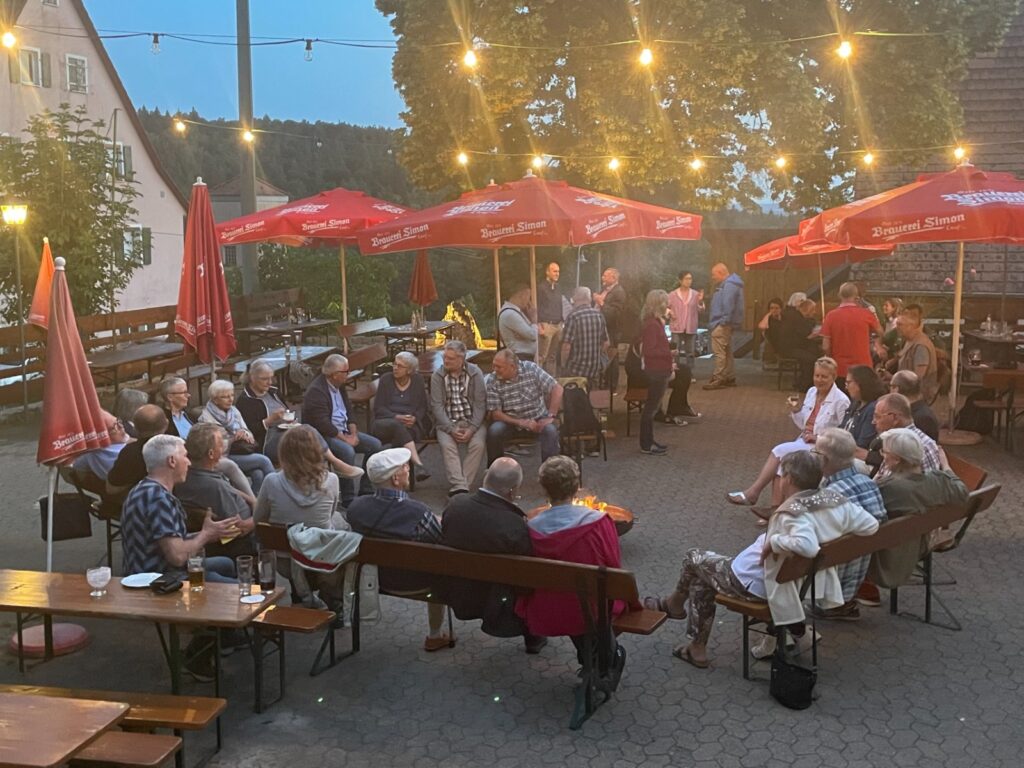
{"points": [[534, 643], [715, 385]]}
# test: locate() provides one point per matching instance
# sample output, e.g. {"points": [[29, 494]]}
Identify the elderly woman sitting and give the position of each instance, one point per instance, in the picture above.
{"points": [[220, 409], [823, 407], [400, 408]]}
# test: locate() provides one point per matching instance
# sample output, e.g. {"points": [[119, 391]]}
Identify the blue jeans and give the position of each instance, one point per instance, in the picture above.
{"points": [[256, 466], [367, 445], [220, 569], [656, 383], [498, 432]]}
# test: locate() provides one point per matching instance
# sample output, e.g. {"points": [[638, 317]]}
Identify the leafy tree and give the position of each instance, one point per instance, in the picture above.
{"points": [[62, 171], [729, 91]]}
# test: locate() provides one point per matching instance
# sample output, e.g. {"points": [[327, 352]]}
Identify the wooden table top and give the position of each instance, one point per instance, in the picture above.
{"points": [[67, 594], [134, 353], [285, 326], [277, 359], [407, 331], [41, 731]]}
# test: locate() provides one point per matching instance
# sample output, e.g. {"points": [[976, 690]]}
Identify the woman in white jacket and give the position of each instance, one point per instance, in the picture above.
{"points": [[823, 407]]}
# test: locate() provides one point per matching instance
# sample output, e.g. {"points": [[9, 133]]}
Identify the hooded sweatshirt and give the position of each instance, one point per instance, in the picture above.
{"points": [[281, 502]]}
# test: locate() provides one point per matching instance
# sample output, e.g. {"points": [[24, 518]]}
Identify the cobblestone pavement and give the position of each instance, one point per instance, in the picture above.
{"points": [[893, 691]]}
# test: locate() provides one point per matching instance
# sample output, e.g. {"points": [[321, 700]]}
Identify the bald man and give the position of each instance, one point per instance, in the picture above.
{"points": [[727, 309]]}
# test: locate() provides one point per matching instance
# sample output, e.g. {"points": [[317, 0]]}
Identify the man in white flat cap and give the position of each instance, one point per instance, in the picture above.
{"points": [[390, 513]]}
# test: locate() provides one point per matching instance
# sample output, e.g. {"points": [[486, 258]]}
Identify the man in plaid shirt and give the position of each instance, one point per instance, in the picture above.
{"points": [[893, 411], [458, 403], [522, 400], [585, 340]]}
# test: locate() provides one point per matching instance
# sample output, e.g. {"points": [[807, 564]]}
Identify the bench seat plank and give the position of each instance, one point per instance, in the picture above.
{"points": [[121, 748], [641, 622], [293, 618]]}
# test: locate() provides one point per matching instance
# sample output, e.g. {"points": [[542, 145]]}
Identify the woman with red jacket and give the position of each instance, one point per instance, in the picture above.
{"points": [[657, 363]]}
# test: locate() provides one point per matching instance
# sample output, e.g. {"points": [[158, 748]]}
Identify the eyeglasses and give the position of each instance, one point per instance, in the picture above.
{"points": [[182, 392]]}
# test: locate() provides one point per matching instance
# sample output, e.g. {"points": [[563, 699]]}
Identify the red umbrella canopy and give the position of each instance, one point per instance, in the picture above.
{"points": [[966, 204], [328, 218], [39, 313], [530, 212], [788, 252], [204, 313], [422, 290], [72, 419]]}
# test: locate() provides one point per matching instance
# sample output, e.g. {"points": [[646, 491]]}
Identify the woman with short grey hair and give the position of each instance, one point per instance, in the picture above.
{"points": [[400, 409], [262, 407], [220, 409]]}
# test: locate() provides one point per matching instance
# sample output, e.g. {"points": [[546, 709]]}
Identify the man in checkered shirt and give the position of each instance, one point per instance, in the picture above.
{"points": [[585, 340], [893, 411], [522, 401], [458, 403]]}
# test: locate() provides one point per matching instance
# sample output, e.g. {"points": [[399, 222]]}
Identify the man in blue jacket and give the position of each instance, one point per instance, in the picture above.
{"points": [[726, 315]]}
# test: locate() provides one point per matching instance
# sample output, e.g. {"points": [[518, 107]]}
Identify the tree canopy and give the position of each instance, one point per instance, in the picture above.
{"points": [[734, 82]]}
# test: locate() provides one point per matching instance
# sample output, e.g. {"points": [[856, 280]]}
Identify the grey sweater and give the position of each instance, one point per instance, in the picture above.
{"points": [[281, 502], [476, 392]]}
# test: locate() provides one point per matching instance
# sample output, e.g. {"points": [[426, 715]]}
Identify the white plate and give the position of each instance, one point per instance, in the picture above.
{"points": [[288, 425], [249, 599], [139, 580]]}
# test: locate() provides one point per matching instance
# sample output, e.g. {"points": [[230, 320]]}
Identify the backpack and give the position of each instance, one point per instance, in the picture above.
{"points": [[974, 419], [577, 415], [635, 364]]}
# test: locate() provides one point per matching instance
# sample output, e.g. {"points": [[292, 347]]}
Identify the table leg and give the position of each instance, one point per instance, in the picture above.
{"points": [[21, 643], [174, 658], [48, 637]]}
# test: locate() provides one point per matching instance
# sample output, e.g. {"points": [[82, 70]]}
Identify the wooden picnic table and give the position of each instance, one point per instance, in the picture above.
{"points": [[133, 352], [67, 594], [396, 334], [277, 360], [43, 731], [278, 329]]}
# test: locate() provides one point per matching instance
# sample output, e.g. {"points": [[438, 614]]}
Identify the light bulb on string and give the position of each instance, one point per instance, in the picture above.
{"points": [[248, 137], [696, 164], [959, 153], [537, 162], [179, 125], [646, 57], [780, 162], [462, 158], [613, 164], [8, 39], [308, 56], [155, 47], [868, 158], [845, 50], [470, 59]]}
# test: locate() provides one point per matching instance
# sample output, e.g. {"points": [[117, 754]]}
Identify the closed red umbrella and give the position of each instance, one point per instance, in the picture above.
{"points": [[39, 312], [204, 312], [72, 421], [422, 290]]}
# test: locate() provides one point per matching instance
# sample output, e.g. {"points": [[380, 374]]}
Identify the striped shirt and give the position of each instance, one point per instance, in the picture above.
{"points": [[930, 460], [150, 513], [586, 332], [525, 396]]}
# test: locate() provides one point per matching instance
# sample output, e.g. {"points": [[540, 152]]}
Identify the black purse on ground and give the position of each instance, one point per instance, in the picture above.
{"points": [[71, 515], [791, 685]]}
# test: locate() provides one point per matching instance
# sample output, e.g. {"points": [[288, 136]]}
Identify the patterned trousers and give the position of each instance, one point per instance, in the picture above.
{"points": [[704, 575]]}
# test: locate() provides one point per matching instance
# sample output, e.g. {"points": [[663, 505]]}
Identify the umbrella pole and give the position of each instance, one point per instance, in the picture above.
{"points": [[533, 276], [344, 292], [497, 293], [958, 294], [51, 486], [821, 287]]}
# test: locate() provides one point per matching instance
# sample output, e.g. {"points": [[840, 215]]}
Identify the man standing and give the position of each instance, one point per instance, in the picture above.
{"points": [[846, 333], [585, 340], [726, 316], [325, 407], [612, 303], [489, 521], [550, 314], [522, 400], [907, 384], [918, 352], [515, 328], [458, 403]]}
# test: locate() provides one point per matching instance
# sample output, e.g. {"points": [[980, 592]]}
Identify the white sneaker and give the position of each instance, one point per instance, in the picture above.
{"points": [[803, 645], [763, 648]]}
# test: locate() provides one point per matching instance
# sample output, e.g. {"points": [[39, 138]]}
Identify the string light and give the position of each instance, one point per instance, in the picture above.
{"points": [[155, 47], [613, 164], [696, 164], [463, 158], [959, 153], [868, 158], [780, 162], [309, 50], [179, 125], [8, 39], [470, 59], [537, 162], [646, 57], [248, 137], [845, 49]]}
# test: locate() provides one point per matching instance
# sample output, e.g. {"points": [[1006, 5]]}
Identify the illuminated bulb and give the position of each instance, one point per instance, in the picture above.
{"points": [[537, 162], [248, 137], [8, 39], [780, 162], [868, 158], [959, 153], [646, 57], [463, 158], [179, 126], [613, 164], [696, 164], [845, 50], [309, 50], [470, 59], [155, 47]]}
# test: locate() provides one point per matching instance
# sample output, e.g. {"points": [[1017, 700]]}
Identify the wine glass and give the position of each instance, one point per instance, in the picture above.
{"points": [[98, 579]]}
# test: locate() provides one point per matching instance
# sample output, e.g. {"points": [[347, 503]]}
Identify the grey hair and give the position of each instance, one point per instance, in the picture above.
{"points": [[655, 304], [167, 383], [828, 363], [905, 444], [201, 440], [803, 468], [582, 295], [409, 359], [838, 445], [218, 386], [158, 449], [456, 346], [906, 383], [260, 364], [504, 476], [898, 404], [507, 354], [796, 299], [127, 402], [333, 363]]}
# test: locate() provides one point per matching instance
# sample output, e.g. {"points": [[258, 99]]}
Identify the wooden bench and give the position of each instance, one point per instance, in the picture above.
{"points": [[970, 474], [363, 388], [146, 711], [596, 588], [363, 328], [850, 547], [131, 750], [258, 308]]}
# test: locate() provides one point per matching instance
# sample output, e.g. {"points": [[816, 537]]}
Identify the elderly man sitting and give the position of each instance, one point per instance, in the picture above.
{"points": [[807, 518], [458, 403], [130, 467], [522, 400], [390, 513], [100, 461], [893, 411]]}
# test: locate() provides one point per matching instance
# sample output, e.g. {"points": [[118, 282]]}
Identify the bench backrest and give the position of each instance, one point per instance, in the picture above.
{"points": [[273, 537], [970, 475], [255, 308], [363, 327], [366, 357], [890, 534]]}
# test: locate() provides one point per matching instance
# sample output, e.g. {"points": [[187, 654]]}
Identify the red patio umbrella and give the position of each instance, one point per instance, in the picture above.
{"points": [[39, 312], [329, 218], [422, 290], [204, 313], [964, 205], [72, 421]]}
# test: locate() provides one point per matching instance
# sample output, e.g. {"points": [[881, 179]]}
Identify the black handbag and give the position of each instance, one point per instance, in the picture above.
{"points": [[72, 516], [791, 685]]}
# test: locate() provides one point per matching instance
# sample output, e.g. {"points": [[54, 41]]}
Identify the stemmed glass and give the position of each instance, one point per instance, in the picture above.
{"points": [[98, 579]]}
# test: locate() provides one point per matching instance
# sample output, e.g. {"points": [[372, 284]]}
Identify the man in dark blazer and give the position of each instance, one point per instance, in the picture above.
{"points": [[611, 300], [489, 521], [326, 408]]}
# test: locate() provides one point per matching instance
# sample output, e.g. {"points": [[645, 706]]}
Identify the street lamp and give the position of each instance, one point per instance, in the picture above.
{"points": [[14, 215]]}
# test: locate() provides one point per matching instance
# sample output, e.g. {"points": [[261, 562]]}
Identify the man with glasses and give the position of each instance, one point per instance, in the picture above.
{"points": [[326, 408], [893, 411], [99, 461]]}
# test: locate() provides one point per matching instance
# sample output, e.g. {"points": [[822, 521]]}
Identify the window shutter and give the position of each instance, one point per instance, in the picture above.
{"points": [[126, 158], [44, 66], [13, 67], [147, 245]]}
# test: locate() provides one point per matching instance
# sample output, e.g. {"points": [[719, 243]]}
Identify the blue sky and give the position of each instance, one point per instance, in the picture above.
{"points": [[341, 84]]}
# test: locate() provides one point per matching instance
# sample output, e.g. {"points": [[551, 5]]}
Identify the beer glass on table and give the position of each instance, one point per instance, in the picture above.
{"points": [[196, 571]]}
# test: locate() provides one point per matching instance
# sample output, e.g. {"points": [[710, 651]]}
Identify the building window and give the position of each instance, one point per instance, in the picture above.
{"points": [[138, 245], [34, 67], [230, 256], [121, 154], [78, 74]]}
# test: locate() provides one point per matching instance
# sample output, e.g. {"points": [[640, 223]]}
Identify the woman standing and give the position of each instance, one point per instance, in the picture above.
{"points": [[657, 366], [400, 408], [684, 304]]}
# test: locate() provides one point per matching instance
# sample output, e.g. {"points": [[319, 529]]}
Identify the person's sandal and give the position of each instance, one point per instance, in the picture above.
{"points": [[655, 603], [739, 498], [431, 644]]}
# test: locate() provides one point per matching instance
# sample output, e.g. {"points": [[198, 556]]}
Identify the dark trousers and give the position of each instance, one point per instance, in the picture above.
{"points": [[393, 432], [656, 383], [498, 432], [679, 400]]}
